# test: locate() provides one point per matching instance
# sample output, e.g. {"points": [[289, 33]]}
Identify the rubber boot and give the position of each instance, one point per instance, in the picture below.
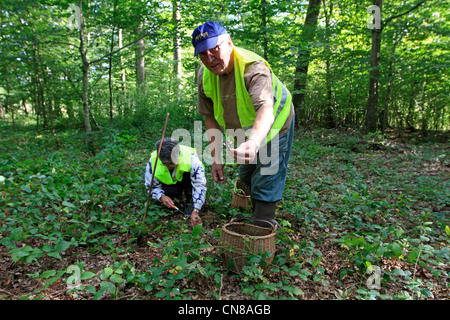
{"points": [[263, 211]]}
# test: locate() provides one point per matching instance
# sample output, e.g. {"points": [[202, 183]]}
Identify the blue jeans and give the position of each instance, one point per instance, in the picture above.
{"points": [[267, 176]]}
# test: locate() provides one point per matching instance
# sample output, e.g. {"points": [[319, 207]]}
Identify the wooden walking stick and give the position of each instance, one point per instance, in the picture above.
{"points": [[156, 162]]}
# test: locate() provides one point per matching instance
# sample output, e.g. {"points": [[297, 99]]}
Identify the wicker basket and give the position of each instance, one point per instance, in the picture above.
{"points": [[238, 240], [241, 195]]}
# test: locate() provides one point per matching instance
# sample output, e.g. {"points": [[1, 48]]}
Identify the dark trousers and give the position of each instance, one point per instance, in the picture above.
{"points": [[181, 191]]}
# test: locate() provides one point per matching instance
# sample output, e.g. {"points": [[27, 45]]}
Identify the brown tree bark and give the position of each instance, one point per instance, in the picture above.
{"points": [[140, 61], [370, 124], [84, 94], [176, 19]]}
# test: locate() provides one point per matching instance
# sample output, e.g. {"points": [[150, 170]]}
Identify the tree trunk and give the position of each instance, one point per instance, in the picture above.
{"points": [[425, 111], [36, 103], [140, 61], [121, 63], [111, 48], [411, 114], [370, 124], [329, 113], [120, 104], [264, 27], [2, 111], [387, 97], [8, 103], [43, 106], [301, 69]]}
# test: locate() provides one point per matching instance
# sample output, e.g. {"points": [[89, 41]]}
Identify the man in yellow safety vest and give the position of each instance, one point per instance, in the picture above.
{"points": [[239, 93], [179, 173]]}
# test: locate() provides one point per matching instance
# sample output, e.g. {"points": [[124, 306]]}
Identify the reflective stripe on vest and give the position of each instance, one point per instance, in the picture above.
{"points": [[184, 165], [245, 109]]}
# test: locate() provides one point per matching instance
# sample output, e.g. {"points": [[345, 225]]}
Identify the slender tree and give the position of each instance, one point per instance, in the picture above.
{"points": [[176, 20], [85, 82], [372, 100], [303, 59], [140, 60]]}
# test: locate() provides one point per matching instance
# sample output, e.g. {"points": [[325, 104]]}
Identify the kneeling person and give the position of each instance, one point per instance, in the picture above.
{"points": [[179, 175]]}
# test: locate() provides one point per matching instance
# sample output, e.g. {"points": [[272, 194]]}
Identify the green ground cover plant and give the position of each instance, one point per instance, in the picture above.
{"points": [[364, 217]]}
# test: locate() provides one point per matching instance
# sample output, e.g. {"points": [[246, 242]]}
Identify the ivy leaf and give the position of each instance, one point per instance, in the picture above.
{"points": [[25, 188], [396, 249], [108, 286], [87, 275], [8, 243], [68, 204], [47, 274], [54, 255], [105, 286], [116, 278], [16, 234]]}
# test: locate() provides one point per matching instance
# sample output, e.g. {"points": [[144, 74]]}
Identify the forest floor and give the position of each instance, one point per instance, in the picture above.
{"points": [[367, 218]]}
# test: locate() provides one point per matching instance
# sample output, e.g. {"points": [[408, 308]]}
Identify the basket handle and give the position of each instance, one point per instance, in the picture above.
{"points": [[269, 222]]}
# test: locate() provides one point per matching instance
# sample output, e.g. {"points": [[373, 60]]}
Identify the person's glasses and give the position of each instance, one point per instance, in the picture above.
{"points": [[212, 51]]}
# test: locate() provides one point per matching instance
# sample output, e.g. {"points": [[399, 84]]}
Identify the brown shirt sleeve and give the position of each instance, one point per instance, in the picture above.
{"points": [[258, 81]]}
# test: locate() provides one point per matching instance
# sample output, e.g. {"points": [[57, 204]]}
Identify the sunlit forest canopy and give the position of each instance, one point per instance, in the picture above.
{"points": [[88, 63]]}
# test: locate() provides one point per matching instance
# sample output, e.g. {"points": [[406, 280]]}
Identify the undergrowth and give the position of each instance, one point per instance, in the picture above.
{"points": [[364, 217]]}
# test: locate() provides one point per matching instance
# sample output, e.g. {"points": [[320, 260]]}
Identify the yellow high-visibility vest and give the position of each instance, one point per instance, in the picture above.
{"points": [[245, 108]]}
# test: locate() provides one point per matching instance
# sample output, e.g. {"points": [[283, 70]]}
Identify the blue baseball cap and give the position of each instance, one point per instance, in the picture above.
{"points": [[206, 36]]}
